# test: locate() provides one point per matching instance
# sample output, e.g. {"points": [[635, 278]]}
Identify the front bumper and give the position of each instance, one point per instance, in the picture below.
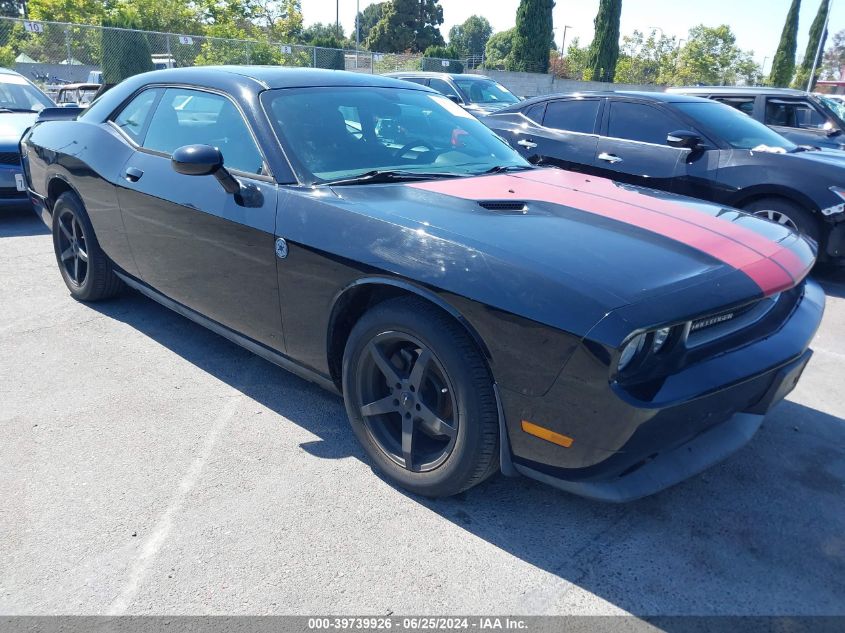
{"points": [[10, 196], [624, 449]]}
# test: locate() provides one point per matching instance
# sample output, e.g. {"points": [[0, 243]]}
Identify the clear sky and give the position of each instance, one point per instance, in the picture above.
{"points": [[757, 23]]}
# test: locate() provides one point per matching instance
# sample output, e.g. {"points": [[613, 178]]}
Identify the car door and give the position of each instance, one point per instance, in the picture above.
{"points": [[563, 133], [445, 88], [192, 241], [633, 148], [799, 120]]}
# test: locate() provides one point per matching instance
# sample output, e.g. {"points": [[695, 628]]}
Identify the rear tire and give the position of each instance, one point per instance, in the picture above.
{"points": [[787, 213], [86, 270], [420, 398]]}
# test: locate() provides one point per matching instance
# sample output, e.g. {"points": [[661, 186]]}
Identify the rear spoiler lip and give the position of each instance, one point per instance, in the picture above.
{"points": [[59, 114]]}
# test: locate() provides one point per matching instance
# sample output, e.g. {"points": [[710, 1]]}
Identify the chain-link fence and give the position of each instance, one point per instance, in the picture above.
{"points": [[57, 53]]}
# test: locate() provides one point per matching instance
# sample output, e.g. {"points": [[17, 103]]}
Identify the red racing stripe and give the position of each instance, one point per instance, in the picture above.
{"points": [[603, 187], [674, 221]]}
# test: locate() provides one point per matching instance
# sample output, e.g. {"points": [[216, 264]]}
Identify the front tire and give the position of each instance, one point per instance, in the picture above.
{"points": [[787, 213], [86, 270], [420, 398]]}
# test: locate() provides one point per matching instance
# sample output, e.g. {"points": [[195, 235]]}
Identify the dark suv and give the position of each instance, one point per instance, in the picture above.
{"points": [[686, 145], [802, 117]]}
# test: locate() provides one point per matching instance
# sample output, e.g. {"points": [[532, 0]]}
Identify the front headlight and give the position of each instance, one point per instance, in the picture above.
{"points": [[631, 350], [660, 338]]}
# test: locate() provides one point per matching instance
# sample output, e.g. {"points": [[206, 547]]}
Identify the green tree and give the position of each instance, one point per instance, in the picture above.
{"points": [[498, 49], [646, 60], [368, 18], [407, 25], [471, 37], [125, 53], [783, 65], [532, 36], [834, 58], [167, 16], [818, 35], [604, 51], [712, 57], [326, 34]]}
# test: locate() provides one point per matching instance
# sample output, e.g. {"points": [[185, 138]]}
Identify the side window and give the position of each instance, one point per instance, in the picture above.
{"points": [[573, 115], [743, 104], [442, 87], [640, 122], [787, 113], [415, 80], [134, 115], [535, 112], [188, 117]]}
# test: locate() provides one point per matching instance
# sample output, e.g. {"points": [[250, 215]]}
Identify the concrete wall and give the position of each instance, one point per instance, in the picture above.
{"points": [[535, 84]]}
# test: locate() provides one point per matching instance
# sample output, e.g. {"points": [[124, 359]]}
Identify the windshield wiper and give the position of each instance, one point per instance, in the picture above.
{"points": [[376, 176], [498, 169]]}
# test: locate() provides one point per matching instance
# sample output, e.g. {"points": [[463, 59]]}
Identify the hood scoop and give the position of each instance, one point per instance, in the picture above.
{"points": [[517, 207]]}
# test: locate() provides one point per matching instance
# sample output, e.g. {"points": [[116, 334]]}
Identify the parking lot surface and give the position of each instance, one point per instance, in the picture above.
{"points": [[148, 466]]}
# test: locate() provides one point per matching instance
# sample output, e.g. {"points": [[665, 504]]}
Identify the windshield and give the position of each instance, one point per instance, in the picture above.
{"points": [[738, 130], [836, 105], [485, 91], [337, 133], [17, 95]]}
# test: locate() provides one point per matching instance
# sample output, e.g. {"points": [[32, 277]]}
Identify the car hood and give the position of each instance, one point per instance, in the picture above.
{"points": [[606, 244], [13, 125]]}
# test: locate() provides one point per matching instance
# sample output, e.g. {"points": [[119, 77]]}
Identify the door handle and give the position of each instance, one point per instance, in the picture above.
{"points": [[133, 174], [526, 143], [609, 158]]}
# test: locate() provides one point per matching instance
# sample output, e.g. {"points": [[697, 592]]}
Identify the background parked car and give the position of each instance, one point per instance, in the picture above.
{"points": [[802, 117], [77, 95], [476, 93], [20, 103], [686, 145]]}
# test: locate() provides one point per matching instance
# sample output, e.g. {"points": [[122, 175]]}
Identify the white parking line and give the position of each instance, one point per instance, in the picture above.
{"points": [[159, 534]]}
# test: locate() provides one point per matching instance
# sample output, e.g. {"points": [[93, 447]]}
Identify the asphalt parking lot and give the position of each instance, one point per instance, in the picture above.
{"points": [[150, 466]]}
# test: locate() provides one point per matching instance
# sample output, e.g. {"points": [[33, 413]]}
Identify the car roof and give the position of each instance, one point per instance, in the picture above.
{"points": [[661, 97], [736, 90], [272, 77], [420, 73], [79, 85], [9, 71]]}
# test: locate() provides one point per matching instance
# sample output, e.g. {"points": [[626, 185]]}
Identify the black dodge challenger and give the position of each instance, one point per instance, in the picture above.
{"points": [[474, 311]]}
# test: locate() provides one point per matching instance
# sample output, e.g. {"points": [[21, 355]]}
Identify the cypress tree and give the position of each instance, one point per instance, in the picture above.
{"points": [[818, 35], [533, 33], [604, 51], [783, 65], [124, 53]]}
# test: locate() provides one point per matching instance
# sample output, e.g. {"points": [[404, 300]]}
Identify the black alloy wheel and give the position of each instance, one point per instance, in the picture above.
{"points": [[86, 270], [72, 247], [420, 398], [409, 405]]}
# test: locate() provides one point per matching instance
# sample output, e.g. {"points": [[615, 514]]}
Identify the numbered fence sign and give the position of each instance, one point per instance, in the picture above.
{"points": [[378, 57], [445, 62], [33, 27], [186, 39], [287, 49]]}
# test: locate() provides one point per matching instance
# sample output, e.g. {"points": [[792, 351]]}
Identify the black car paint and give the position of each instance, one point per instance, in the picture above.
{"points": [[714, 172], [550, 320]]}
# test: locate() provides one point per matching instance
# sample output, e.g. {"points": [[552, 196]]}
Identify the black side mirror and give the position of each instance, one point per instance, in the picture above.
{"points": [[204, 160], [683, 139], [454, 98]]}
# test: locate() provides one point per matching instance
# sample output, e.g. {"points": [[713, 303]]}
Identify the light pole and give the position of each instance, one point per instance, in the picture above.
{"points": [[357, 31], [819, 49], [563, 42]]}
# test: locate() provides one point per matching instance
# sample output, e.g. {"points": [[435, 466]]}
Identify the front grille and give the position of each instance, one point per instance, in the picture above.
{"points": [[710, 328], [10, 158]]}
